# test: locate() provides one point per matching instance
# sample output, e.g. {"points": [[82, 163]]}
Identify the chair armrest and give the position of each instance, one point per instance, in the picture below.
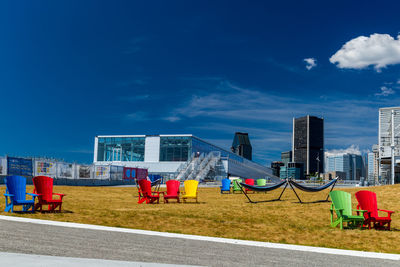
{"points": [[389, 212], [357, 210], [58, 194], [8, 195], [34, 195], [338, 210]]}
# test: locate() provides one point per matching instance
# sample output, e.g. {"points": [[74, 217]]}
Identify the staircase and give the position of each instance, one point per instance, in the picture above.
{"points": [[197, 168]]}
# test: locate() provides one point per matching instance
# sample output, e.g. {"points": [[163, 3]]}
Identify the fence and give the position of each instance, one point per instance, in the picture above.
{"points": [[63, 173]]}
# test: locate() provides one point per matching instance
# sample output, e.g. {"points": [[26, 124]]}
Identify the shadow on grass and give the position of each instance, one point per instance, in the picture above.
{"points": [[54, 212], [312, 202]]}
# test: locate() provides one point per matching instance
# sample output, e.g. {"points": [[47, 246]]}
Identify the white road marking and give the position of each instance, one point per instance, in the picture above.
{"points": [[19, 259], [333, 251]]}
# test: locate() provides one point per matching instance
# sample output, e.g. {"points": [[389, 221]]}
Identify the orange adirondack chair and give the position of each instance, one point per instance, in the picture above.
{"points": [[172, 190], [145, 193], [367, 201], [43, 187]]}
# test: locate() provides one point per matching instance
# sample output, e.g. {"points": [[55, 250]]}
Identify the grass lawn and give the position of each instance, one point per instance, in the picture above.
{"points": [[229, 216]]}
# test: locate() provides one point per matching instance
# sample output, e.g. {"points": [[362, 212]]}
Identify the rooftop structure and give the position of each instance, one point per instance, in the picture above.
{"points": [[241, 145], [182, 156]]}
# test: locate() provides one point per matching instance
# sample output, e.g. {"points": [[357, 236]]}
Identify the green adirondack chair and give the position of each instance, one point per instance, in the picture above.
{"points": [[341, 204], [236, 186], [261, 182]]}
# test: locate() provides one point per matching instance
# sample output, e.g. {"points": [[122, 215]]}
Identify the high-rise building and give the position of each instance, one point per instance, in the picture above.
{"points": [[241, 145], [308, 143], [351, 164], [276, 167], [295, 170], [286, 157], [389, 144], [292, 170], [373, 165]]}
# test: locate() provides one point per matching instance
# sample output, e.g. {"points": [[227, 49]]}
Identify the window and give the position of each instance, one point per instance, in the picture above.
{"points": [[175, 148], [120, 149]]}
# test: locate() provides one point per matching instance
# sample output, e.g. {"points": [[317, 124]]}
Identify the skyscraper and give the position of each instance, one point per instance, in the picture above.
{"points": [[373, 165], [351, 164], [241, 145], [286, 157], [308, 143]]}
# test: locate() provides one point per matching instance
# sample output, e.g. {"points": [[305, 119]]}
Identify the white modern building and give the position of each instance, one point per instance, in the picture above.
{"points": [[389, 144], [181, 156]]}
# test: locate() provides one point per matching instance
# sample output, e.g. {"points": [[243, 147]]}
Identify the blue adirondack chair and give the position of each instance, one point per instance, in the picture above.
{"points": [[226, 185], [16, 194]]}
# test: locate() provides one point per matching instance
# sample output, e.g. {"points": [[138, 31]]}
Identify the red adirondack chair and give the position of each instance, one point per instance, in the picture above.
{"points": [[249, 182], [367, 201], [172, 190], [145, 193], [43, 187]]}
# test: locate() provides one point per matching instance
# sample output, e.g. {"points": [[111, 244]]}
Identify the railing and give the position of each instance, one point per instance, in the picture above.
{"points": [[212, 162]]}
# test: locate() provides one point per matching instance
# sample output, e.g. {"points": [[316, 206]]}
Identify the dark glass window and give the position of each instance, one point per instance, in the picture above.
{"points": [[175, 148], [120, 149]]}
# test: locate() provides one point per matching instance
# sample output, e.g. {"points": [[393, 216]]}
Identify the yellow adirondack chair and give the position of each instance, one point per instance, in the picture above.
{"points": [[190, 190]]}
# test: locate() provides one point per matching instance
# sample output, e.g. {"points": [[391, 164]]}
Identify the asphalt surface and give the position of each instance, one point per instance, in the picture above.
{"points": [[28, 238], [23, 260]]}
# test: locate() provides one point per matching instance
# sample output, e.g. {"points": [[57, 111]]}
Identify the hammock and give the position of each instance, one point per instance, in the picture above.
{"points": [[263, 189], [312, 189]]}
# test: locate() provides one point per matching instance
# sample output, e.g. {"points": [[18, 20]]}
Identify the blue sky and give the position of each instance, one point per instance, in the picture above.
{"points": [[71, 70]]}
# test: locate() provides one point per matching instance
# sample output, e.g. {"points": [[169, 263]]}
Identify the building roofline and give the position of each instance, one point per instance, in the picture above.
{"points": [[176, 135], [143, 135], [390, 108]]}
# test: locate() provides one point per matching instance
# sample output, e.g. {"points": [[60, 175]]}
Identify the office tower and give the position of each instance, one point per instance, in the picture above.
{"points": [[286, 157], [241, 145], [295, 170], [276, 167], [351, 164], [389, 144], [308, 143], [373, 165]]}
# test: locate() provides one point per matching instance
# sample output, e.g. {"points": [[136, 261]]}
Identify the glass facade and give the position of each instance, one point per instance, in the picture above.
{"points": [[350, 164], [120, 149], [175, 148], [199, 146], [308, 148], [175, 151]]}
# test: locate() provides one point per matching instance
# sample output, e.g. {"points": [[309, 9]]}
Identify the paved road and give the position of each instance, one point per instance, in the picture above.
{"points": [[28, 238], [23, 260]]}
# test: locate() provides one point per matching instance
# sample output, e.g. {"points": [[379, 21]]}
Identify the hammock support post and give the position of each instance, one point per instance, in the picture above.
{"points": [[295, 192], [312, 189], [263, 189]]}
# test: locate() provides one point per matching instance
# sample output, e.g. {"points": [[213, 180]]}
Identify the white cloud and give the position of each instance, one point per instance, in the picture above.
{"points": [[310, 63], [378, 50], [385, 91], [172, 118], [137, 116], [353, 149]]}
